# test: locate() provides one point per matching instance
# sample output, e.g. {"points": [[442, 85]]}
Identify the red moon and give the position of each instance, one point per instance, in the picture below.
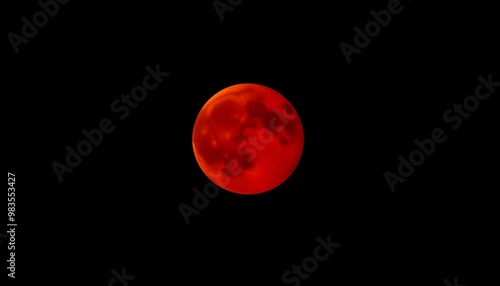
{"points": [[248, 139]]}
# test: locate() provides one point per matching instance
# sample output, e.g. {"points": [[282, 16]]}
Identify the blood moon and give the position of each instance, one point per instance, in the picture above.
{"points": [[248, 138]]}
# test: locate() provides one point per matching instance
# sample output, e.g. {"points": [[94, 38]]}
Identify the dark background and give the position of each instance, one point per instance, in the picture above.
{"points": [[119, 208]]}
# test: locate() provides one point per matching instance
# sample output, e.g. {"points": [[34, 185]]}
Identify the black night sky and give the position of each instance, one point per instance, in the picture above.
{"points": [[427, 74]]}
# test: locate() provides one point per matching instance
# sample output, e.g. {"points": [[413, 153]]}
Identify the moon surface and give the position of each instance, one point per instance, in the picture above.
{"points": [[248, 139]]}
